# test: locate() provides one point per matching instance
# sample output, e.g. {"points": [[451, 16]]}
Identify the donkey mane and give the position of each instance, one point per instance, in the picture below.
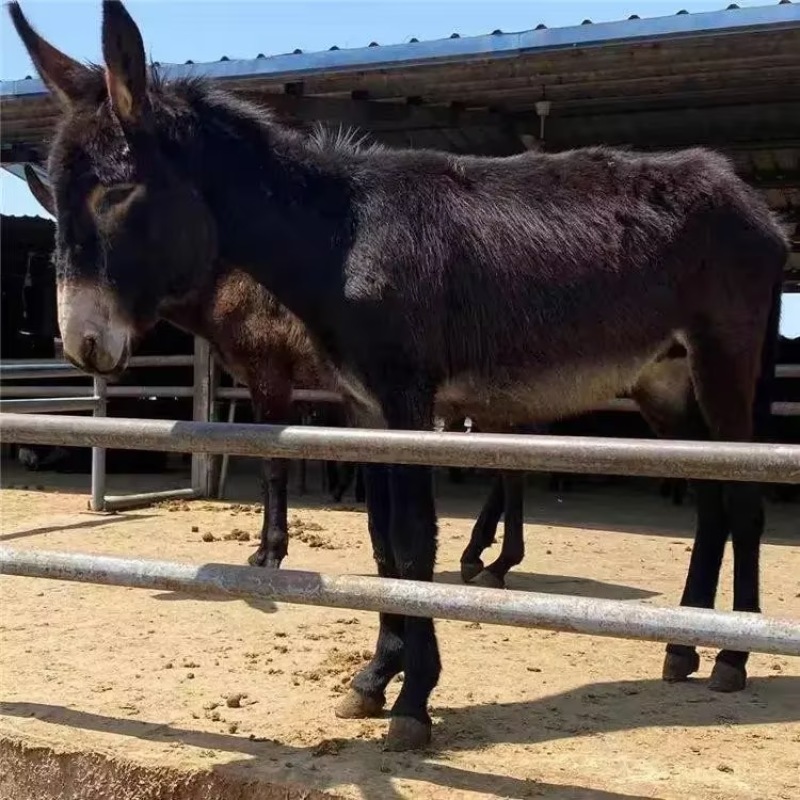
{"points": [[342, 140]]}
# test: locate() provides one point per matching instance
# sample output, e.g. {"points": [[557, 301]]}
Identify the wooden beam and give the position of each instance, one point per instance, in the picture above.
{"points": [[21, 153], [717, 126], [372, 115]]}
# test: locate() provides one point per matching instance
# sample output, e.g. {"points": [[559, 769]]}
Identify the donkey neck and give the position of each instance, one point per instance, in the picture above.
{"points": [[283, 207]]}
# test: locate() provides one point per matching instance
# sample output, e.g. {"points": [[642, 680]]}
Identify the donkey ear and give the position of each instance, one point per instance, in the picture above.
{"points": [[66, 78], [38, 189], [126, 66]]}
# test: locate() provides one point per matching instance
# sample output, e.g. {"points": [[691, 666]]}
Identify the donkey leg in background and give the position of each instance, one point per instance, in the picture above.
{"points": [[483, 532], [513, 548], [273, 408], [342, 477], [360, 490]]}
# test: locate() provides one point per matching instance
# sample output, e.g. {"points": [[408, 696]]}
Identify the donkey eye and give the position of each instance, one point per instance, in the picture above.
{"points": [[115, 196]]}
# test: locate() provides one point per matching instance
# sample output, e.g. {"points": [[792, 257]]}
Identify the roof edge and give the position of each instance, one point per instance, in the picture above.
{"points": [[487, 46]]}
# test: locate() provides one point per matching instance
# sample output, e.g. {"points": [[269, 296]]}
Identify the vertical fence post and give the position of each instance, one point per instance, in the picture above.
{"points": [[98, 501], [202, 402], [223, 470]]}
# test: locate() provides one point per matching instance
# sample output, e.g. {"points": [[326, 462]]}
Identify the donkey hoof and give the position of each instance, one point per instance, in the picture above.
{"points": [[261, 558], [727, 677], [407, 733], [355, 705], [489, 580], [679, 666], [257, 559], [470, 570]]}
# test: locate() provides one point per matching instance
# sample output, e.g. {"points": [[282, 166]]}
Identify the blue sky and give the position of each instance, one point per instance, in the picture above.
{"points": [[204, 30]]}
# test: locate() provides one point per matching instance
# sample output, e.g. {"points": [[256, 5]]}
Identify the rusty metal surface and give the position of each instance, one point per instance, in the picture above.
{"points": [[597, 617], [778, 463], [298, 395]]}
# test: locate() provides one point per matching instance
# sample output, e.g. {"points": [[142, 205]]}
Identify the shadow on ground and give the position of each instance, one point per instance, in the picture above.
{"points": [[593, 709], [95, 522]]}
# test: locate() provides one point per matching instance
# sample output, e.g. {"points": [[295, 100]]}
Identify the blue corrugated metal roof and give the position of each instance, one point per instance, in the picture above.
{"points": [[295, 66]]}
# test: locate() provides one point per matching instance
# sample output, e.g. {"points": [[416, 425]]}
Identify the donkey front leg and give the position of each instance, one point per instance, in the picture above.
{"points": [[367, 695], [412, 532], [274, 544]]}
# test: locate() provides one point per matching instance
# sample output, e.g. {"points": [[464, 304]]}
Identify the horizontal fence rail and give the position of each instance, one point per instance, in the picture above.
{"points": [[16, 368], [298, 395], [47, 369], [120, 502], [49, 405], [627, 620], [779, 408], [85, 391], [32, 399], [778, 463]]}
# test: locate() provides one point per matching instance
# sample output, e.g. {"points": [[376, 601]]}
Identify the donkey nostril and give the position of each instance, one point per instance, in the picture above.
{"points": [[88, 349]]}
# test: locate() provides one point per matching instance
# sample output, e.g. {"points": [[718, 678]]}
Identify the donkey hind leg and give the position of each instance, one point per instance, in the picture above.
{"points": [[666, 399], [274, 544], [367, 695], [724, 371], [513, 549], [483, 532]]}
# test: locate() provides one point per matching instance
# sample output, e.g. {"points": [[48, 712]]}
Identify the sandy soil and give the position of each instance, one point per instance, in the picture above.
{"points": [[237, 697]]}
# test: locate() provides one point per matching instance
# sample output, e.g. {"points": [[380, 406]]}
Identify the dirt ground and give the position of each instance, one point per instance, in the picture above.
{"points": [[235, 699]]}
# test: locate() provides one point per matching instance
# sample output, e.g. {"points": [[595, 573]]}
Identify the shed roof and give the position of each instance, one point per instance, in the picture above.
{"points": [[710, 61], [457, 50], [729, 79]]}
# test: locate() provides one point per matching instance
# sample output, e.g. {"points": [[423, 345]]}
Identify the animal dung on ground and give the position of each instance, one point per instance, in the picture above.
{"points": [[237, 535], [235, 700]]}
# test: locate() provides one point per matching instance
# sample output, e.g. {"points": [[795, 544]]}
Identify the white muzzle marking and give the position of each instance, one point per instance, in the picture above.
{"points": [[93, 333]]}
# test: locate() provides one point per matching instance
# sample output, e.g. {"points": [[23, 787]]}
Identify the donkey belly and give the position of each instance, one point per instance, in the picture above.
{"points": [[540, 397]]}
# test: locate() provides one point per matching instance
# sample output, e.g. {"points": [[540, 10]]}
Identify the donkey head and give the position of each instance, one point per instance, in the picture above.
{"points": [[132, 231]]}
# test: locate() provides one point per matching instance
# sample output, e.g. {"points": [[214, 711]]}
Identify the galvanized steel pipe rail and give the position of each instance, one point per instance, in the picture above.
{"points": [[779, 463], [38, 369], [627, 620]]}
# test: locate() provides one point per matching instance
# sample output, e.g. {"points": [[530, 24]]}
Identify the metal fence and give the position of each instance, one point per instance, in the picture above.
{"points": [[54, 399], [656, 458], [691, 626], [729, 461], [778, 463], [46, 398]]}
